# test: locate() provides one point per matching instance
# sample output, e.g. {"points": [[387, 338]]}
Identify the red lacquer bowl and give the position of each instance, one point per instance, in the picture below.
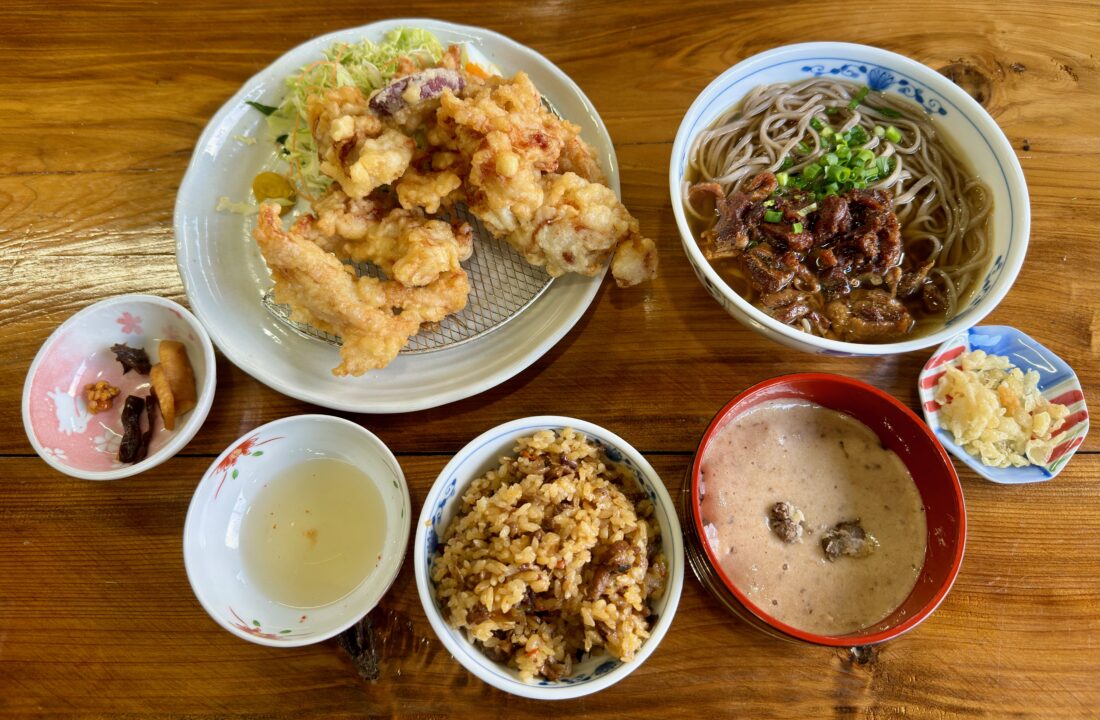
{"points": [[900, 430]]}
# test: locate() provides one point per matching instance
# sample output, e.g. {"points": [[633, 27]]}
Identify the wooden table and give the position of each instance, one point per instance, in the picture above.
{"points": [[100, 106]]}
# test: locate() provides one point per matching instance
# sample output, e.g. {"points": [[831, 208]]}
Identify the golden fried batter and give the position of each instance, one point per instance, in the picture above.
{"points": [[490, 143], [404, 244], [375, 318], [356, 149], [577, 228]]}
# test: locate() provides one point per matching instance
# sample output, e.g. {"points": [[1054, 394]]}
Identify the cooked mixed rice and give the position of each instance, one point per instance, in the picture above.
{"points": [[552, 555]]}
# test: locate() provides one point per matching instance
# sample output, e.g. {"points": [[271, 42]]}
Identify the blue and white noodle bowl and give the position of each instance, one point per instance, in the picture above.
{"points": [[597, 671], [970, 133]]}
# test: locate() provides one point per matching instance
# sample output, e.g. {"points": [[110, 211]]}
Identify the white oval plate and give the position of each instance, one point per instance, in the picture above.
{"points": [[225, 277]]}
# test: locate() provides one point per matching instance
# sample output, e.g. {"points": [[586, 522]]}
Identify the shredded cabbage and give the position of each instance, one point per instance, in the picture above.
{"points": [[365, 64]]}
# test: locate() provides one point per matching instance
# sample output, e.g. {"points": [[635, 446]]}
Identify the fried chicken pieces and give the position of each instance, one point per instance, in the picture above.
{"points": [[534, 182], [375, 318], [434, 138]]}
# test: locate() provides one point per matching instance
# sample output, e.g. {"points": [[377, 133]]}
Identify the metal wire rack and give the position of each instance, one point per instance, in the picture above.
{"points": [[502, 284]]}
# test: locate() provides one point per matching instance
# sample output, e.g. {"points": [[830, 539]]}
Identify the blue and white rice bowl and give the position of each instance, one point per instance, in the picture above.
{"points": [[482, 454], [970, 131]]}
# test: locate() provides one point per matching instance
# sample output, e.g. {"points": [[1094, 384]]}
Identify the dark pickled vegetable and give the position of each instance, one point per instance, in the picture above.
{"points": [[151, 417], [130, 449], [132, 358]]}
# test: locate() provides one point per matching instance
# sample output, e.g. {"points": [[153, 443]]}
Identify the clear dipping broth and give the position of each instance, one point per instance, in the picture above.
{"points": [[834, 469], [314, 533]]}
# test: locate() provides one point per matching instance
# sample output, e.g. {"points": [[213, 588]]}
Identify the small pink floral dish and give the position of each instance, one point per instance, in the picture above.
{"points": [[215, 543], [56, 416]]}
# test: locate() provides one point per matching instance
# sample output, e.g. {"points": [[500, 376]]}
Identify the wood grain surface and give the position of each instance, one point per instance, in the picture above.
{"points": [[100, 107]]}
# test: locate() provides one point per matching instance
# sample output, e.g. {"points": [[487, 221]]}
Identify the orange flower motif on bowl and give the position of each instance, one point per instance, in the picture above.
{"points": [[245, 449]]}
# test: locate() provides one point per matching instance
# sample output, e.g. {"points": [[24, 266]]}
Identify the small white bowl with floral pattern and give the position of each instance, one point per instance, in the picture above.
{"points": [[212, 533], [56, 416]]}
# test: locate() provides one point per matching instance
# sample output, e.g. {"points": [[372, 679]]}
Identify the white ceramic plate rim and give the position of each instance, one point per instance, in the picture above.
{"points": [[461, 651], [177, 441], [192, 555], [952, 93], [510, 345]]}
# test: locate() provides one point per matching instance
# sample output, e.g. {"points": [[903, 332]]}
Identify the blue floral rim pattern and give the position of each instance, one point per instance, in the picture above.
{"points": [[884, 79], [880, 79]]}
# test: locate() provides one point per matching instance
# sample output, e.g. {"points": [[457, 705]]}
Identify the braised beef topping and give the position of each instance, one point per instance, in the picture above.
{"points": [[874, 316], [911, 283], [824, 258], [834, 284], [730, 234], [833, 219], [766, 272], [761, 186], [842, 257], [704, 197], [932, 298]]}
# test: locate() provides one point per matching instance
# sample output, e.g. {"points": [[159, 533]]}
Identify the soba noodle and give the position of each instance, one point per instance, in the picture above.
{"points": [[941, 207]]}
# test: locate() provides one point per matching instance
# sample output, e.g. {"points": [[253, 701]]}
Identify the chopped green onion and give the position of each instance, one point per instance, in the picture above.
{"points": [[265, 109], [843, 152], [808, 209], [803, 148], [832, 110], [811, 171], [772, 216], [859, 185], [826, 131], [796, 228], [843, 174], [865, 157], [884, 165], [769, 203], [858, 98], [831, 159], [893, 134], [782, 178], [816, 124], [879, 131], [889, 112], [857, 136], [831, 189], [788, 161]]}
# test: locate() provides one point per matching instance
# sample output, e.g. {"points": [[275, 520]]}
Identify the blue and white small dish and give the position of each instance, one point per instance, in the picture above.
{"points": [[974, 135], [1057, 383], [444, 499]]}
